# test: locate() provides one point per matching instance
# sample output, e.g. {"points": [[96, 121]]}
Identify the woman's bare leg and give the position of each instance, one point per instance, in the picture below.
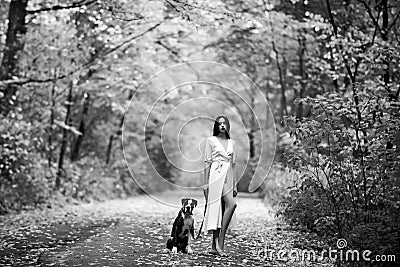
{"points": [[215, 239], [230, 206], [215, 248]]}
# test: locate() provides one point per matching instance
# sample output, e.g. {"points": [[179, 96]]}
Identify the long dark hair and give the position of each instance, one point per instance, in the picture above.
{"points": [[216, 126]]}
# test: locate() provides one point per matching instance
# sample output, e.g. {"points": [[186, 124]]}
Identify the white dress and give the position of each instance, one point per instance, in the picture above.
{"points": [[220, 173]]}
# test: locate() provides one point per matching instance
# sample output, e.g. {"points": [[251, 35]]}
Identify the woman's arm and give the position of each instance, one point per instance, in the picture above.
{"points": [[206, 173], [206, 179], [208, 161], [233, 164], [234, 174]]}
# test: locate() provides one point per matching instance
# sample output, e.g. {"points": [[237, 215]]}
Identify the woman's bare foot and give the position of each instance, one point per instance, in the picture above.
{"points": [[217, 248], [221, 249], [214, 246], [213, 251], [220, 252], [220, 243]]}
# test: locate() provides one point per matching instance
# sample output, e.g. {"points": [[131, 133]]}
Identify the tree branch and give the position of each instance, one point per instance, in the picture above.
{"points": [[331, 18], [225, 12], [369, 11], [169, 49], [173, 6], [394, 21], [197, 7], [84, 66], [58, 7]]}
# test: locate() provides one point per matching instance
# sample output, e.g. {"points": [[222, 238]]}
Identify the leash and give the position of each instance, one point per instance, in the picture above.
{"points": [[204, 216]]}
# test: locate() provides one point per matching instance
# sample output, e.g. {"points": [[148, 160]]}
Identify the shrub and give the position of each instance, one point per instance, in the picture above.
{"points": [[349, 158]]}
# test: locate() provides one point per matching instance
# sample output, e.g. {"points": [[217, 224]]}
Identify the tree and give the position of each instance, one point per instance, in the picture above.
{"points": [[15, 40]]}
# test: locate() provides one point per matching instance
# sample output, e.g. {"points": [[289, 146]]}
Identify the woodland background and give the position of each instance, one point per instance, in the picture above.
{"points": [[329, 69]]}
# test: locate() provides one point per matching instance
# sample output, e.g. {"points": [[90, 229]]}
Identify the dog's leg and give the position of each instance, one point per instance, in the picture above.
{"points": [[192, 230], [175, 243], [169, 243], [189, 248], [190, 237], [174, 235]]}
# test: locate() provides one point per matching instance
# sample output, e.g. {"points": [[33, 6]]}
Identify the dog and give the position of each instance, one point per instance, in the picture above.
{"points": [[183, 228]]}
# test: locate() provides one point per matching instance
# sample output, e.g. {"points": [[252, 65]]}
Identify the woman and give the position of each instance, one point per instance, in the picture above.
{"points": [[220, 181]]}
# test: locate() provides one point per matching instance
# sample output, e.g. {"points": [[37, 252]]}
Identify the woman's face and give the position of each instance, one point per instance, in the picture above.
{"points": [[222, 125]]}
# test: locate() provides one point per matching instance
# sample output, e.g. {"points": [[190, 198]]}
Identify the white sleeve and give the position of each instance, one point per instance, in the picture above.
{"points": [[208, 151], [233, 158]]}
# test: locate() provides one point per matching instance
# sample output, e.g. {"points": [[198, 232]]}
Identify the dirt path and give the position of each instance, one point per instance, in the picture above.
{"points": [[134, 231]]}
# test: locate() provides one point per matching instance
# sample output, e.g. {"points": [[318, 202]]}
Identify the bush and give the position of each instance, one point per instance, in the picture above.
{"points": [[349, 159], [277, 185], [23, 180]]}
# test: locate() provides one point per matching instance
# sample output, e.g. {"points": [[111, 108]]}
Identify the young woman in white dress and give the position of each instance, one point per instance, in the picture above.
{"points": [[220, 183]]}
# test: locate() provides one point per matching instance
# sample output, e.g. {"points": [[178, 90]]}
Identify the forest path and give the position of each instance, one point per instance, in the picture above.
{"points": [[133, 232]]}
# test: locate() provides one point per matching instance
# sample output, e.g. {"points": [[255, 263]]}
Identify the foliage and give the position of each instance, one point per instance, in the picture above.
{"points": [[349, 159], [23, 180], [276, 186], [347, 147], [80, 66], [85, 53]]}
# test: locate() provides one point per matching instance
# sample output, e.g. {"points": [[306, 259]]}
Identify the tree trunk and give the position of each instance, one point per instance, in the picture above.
{"points": [[51, 122], [386, 75], [301, 41], [385, 37], [251, 143], [64, 138], [111, 140], [281, 82], [109, 148], [82, 128], [385, 20], [15, 40], [119, 132]]}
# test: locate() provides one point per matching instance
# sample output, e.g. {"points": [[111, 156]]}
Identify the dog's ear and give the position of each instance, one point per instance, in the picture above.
{"points": [[195, 202], [183, 200]]}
